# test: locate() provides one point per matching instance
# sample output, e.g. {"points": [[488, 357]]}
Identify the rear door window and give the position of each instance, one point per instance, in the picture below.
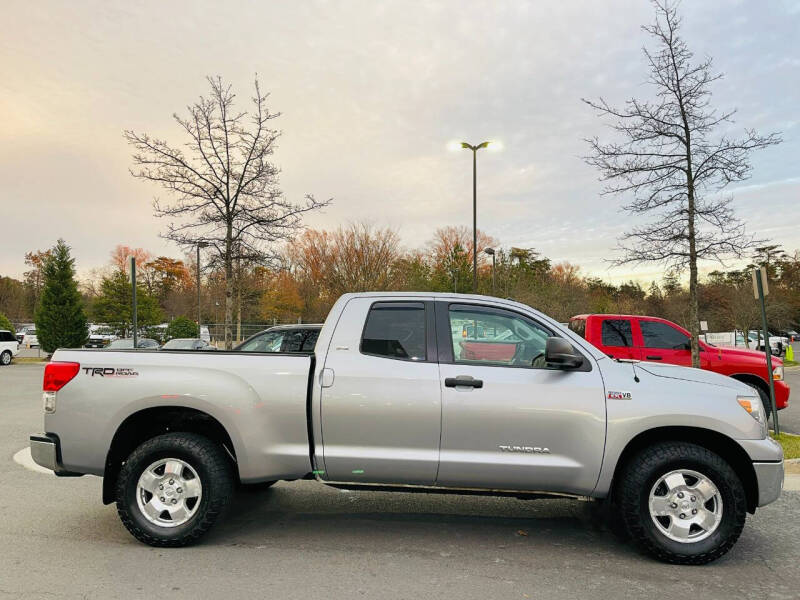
{"points": [[617, 332], [395, 330]]}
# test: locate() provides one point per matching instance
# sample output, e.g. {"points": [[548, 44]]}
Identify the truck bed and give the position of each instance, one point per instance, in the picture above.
{"points": [[261, 398]]}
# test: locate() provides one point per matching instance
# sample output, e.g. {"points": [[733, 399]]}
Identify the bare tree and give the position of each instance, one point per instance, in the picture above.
{"points": [[674, 157], [224, 187]]}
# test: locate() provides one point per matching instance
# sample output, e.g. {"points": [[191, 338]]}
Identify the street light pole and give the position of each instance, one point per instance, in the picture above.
{"points": [[199, 245], [474, 210], [490, 252]]}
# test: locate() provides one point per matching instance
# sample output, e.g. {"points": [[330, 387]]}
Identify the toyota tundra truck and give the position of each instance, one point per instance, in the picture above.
{"points": [[447, 393]]}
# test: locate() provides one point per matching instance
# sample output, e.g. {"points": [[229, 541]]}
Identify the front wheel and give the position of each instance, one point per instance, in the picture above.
{"points": [[173, 488], [5, 358], [681, 503]]}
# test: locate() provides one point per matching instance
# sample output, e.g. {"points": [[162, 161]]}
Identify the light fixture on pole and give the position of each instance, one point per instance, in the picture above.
{"points": [[199, 245], [490, 252], [475, 149]]}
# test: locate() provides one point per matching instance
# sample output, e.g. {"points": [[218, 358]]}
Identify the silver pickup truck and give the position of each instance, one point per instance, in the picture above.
{"points": [[410, 391]]}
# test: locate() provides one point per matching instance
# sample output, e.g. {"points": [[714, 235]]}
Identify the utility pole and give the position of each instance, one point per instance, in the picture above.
{"points": [[761, 290], [132, 261], [475, 149], [199, 318]]}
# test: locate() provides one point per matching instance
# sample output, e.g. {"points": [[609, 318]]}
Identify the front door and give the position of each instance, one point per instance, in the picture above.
{"points": [[509, 421], [663, 342], [380, 395]]}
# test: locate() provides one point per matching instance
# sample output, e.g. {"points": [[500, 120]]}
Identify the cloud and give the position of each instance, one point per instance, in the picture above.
{"points": [[370, 94]]}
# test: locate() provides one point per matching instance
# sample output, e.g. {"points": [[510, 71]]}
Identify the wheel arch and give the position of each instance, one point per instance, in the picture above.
{"points": [[724, 446], [146, 424], [751, 379]]}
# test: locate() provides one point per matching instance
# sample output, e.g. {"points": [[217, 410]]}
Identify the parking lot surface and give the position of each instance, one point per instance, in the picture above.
{"points": [[303, 540]]}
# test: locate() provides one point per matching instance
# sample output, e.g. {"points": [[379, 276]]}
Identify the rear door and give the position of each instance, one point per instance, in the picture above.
{"points": [[616, 336], [508, 421], [380, 395]]}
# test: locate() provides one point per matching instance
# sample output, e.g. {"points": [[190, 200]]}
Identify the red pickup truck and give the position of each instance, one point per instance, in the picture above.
{"points": [[636, 337]]}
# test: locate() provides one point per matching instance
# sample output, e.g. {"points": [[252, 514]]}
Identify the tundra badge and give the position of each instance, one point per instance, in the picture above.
{"points": [[525, 449]]}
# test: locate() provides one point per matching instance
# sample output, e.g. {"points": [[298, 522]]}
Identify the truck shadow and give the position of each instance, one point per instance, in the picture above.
{"points": [[323, 519]]}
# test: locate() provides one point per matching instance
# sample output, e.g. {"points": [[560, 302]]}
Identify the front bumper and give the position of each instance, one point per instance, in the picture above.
{"points": [[781, 395], [46, 452], [769, 476]]}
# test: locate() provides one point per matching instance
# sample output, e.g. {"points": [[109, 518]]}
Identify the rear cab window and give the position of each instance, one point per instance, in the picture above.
{"points": [[395, 330]]}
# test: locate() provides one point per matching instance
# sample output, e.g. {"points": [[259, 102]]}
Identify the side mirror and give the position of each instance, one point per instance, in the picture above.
{"points": [[559, 353]]}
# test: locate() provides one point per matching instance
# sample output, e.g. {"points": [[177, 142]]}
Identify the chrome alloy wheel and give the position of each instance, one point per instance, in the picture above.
{"points": [[168, 492], [685, 506]]}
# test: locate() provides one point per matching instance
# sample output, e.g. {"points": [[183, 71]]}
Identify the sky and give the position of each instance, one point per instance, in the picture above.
{"points": [[371, 92]]}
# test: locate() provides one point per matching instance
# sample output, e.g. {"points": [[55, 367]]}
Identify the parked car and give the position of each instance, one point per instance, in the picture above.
{"points": [[754, 340], [791, 334], [100, 337], [9, 346], [652, 339], [299, 338], [187, 344], [685, 451], [29, 339], [127, 344]]}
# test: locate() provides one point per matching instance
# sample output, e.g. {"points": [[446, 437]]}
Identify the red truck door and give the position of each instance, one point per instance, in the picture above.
{"points": [[664, 342], [616, 337]]}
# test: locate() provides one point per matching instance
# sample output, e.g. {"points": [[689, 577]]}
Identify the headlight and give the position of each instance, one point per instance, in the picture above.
{"points": [[777, 373], [753, 407]]}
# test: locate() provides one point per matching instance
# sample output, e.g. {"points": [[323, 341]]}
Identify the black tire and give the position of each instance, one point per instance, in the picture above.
{"points": [[5, 358], [213, 469], [632, 493]]}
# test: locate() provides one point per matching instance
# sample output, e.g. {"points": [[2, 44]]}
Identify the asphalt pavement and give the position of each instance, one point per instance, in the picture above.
{"points": [[303, 540]]}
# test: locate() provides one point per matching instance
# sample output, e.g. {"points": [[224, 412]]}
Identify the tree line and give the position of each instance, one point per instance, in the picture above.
{"points": [[314, 269]]}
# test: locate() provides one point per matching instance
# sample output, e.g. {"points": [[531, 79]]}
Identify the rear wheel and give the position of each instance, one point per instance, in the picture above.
{"points": [[5, 358], [173, 488], [681, 503]]}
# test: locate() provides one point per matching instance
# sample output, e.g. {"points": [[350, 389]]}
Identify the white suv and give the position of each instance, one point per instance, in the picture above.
{"points": [[9, 346]]}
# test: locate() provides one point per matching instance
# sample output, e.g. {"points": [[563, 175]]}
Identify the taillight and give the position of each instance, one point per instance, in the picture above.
{"points": [[59, 374]]}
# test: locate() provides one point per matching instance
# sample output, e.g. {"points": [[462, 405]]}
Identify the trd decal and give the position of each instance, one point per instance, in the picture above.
{"points": [[110, 372], [620, 396]]}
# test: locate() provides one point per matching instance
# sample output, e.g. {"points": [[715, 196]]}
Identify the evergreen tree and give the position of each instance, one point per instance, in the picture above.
{"points": [[5, 323], [114, 305], [182, 327], [60, 318]]}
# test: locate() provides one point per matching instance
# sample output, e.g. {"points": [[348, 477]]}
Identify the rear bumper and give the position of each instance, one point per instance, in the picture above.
{"points": [[46, 452], [769, 476]]}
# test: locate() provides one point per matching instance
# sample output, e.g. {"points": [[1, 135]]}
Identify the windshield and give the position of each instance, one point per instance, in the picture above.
{"points": [[180, 344], [269, 341], [121, 344]]}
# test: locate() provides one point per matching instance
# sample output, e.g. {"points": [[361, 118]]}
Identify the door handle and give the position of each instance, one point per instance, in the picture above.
{"points": [[463, 381], [654, 357]]}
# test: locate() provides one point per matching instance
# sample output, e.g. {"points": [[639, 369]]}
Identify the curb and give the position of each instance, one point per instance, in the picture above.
{"points": [[791, 483]]}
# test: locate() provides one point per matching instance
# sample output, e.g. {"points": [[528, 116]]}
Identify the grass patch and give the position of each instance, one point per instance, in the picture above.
{"points": [[790, 363], [790, 443], [29, 359]]}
